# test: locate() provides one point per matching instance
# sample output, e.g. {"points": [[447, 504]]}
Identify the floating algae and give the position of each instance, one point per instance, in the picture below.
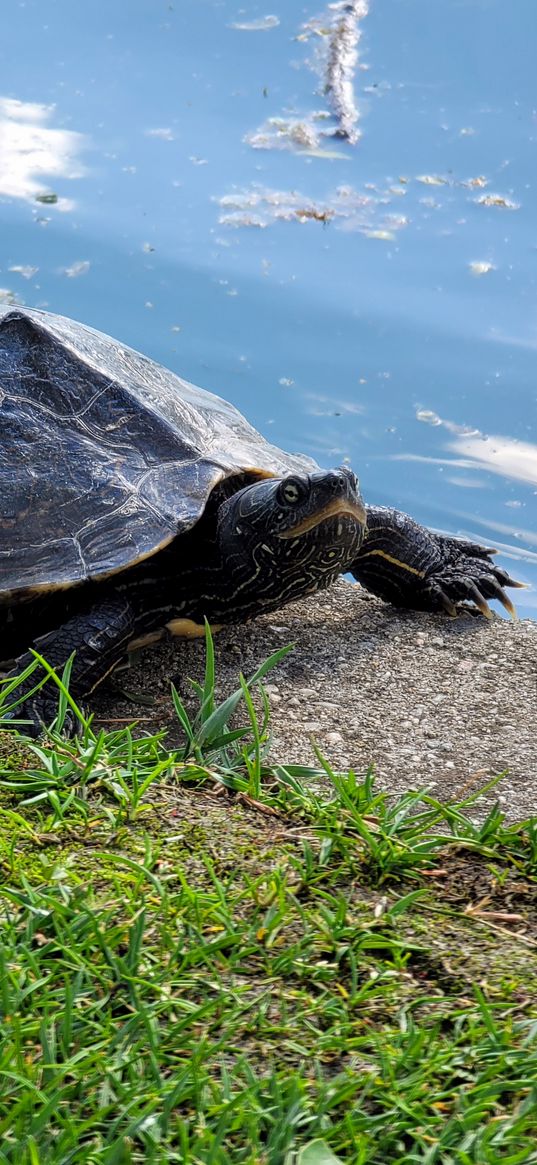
{"points": [[348, 209], [337, 33], [341, 64], [302, 135]]}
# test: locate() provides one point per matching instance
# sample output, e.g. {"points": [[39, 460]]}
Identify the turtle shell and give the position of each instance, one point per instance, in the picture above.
{"points": [[105, 456]]}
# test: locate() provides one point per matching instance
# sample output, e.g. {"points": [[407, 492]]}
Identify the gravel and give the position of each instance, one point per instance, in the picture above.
{"points": [[426, 699]]}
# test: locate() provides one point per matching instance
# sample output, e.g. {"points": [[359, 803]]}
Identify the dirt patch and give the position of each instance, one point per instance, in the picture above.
{"points": [[425, 699]]}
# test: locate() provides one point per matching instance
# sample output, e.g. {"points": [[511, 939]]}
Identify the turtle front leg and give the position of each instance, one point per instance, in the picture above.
{"points": [[99, 637], [409, 566]]}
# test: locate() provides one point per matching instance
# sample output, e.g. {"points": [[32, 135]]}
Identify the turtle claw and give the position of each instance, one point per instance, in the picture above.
{"points": [[449, 607], [480, 602], [410, 566], [462, 582], [466, 572], [506, 603], [475, 548], [504, 578], [497, 592]]}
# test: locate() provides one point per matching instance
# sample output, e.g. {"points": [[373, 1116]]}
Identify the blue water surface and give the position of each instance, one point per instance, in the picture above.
{"points": [[374, 302]]}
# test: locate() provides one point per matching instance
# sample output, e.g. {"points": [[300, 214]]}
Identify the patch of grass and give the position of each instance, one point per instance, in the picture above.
{"points": [[204, 960]]}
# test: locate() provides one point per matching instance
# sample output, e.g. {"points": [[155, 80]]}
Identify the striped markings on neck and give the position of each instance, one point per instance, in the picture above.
{"points": [[394, 561]]}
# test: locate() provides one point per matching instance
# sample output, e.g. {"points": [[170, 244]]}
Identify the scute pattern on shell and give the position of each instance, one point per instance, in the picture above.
{"points": [[104, 455]]}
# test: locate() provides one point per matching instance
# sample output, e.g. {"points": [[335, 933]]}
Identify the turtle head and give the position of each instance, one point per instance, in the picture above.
{"points": [[285, 537]]}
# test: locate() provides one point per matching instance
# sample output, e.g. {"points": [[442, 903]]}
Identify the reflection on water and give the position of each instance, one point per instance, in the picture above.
{"points": [[516, 459], [31, 149]]}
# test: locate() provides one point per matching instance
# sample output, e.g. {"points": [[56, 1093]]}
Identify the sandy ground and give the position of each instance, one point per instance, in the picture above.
{"points": [[426, 699]]}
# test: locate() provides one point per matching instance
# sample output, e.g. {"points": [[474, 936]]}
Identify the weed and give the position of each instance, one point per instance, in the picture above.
{"points": [[299, 986]]}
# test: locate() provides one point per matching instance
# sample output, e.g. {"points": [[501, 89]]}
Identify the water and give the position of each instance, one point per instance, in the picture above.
{"points": [[401, 333]]}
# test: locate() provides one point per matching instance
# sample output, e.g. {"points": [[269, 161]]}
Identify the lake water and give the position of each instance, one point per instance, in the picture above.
{"points": [[169, 174]]}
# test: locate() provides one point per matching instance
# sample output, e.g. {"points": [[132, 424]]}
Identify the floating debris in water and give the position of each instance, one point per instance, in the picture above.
{"points": [[263, 24], [337, 32], [481, 267], [341, 65], [432, 179], [47, 197], [279, 133], [441, 180], [285, 133], [302, 135], [76, 269], [318, 213], [320, 404], [346, 207], [497, 200], [27, 272]]}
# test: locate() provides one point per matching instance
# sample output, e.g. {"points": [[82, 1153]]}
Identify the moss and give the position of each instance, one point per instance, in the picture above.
{"points": [[15, 755], [178, 832], [461, 954]]}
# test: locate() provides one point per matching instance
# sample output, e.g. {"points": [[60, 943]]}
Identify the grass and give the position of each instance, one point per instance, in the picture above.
{"points": [[209, 959]]}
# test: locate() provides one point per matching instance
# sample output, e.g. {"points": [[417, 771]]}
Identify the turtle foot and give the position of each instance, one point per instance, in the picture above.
{"points": [[37, 714], [410, 566], [467, 578]]}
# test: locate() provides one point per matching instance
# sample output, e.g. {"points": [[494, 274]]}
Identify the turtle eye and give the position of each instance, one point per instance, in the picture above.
{"points": [[292, 491]]}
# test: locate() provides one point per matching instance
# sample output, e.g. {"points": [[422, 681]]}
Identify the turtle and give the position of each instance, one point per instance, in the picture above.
{"points": [[134, 504]]}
